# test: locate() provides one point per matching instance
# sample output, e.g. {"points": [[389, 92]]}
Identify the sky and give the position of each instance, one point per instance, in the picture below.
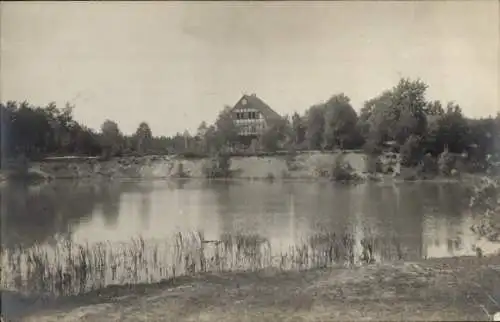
{"points": [[176, 64]]}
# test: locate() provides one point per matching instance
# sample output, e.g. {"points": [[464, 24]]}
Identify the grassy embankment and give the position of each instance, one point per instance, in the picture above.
{"points": [[444, 289], [248, 278]]}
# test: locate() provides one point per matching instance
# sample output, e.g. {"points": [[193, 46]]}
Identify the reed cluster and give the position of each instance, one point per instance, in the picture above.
{"points": [[67, 268]]}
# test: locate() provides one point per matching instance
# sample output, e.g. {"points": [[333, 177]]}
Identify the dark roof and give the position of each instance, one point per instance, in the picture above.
{"points": [[254, 102]]}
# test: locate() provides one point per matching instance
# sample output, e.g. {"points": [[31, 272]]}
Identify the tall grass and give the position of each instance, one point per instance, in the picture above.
{"points": [[69, 268]]}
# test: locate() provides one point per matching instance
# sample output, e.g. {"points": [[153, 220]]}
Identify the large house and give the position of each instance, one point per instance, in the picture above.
{"points": [[252, 116]]}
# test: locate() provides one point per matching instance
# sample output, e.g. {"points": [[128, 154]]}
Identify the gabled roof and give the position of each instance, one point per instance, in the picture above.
{"points": [[254, 102]]}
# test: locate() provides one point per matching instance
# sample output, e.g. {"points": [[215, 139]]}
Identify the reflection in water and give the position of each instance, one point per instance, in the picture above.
{"points": [[414, 219]]}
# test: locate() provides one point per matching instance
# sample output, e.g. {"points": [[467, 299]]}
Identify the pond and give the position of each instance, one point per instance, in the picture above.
{"points": [[68, 237]]}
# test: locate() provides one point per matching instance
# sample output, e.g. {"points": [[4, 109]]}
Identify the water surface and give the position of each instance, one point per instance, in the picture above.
{"points": [[426, 219]]}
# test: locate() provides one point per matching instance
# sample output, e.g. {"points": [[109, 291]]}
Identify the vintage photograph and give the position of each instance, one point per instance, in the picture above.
{"points": [[254, 161]]}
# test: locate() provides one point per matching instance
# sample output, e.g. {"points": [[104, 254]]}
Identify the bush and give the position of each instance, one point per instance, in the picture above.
{"points": [[192, 155], [445, 163], [291, 159], [429, 164], [218, 167], [485, 201], [342, 170], [411, 151], [409, 174]]}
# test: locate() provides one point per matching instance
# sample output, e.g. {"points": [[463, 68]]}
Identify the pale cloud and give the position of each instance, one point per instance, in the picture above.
{"points": [[174, 64]]}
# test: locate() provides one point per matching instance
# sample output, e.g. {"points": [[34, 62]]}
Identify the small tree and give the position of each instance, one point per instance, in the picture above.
{"points": [[445, 163], [143, 138], [411, 151]]}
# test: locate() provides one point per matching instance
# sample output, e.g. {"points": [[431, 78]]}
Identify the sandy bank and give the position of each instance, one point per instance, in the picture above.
{"points": [[442, 289], [305, 166], [310, 165]]}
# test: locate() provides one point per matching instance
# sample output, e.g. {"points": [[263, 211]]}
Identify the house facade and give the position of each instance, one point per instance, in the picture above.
{"points": [[252, 116]]}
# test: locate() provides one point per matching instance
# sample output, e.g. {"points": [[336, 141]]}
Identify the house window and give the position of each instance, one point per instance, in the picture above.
{"points": [[254, 129]]}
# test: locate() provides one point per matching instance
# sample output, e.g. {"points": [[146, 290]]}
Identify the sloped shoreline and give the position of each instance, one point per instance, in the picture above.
{"points": [[305, 166], [435, 289]]}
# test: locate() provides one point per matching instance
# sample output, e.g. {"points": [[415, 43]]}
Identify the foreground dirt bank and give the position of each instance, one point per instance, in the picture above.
{"points": [[444, 289]]}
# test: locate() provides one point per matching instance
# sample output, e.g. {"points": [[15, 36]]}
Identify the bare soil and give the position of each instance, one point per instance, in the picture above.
{"points": [[445, 289]]}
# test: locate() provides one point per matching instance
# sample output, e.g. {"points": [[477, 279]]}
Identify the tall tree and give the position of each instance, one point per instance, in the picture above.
{"points": [[298, 128], [452, 130], [111, 138], [315, 117], [201, 136], [143, 137], [340, 122], [380, 118], [398, 113], [409, 103], [227, 132], [277, 133]]}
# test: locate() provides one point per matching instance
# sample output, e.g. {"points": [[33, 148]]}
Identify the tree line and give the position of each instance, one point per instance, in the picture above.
{"points": [[402, 115]]}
